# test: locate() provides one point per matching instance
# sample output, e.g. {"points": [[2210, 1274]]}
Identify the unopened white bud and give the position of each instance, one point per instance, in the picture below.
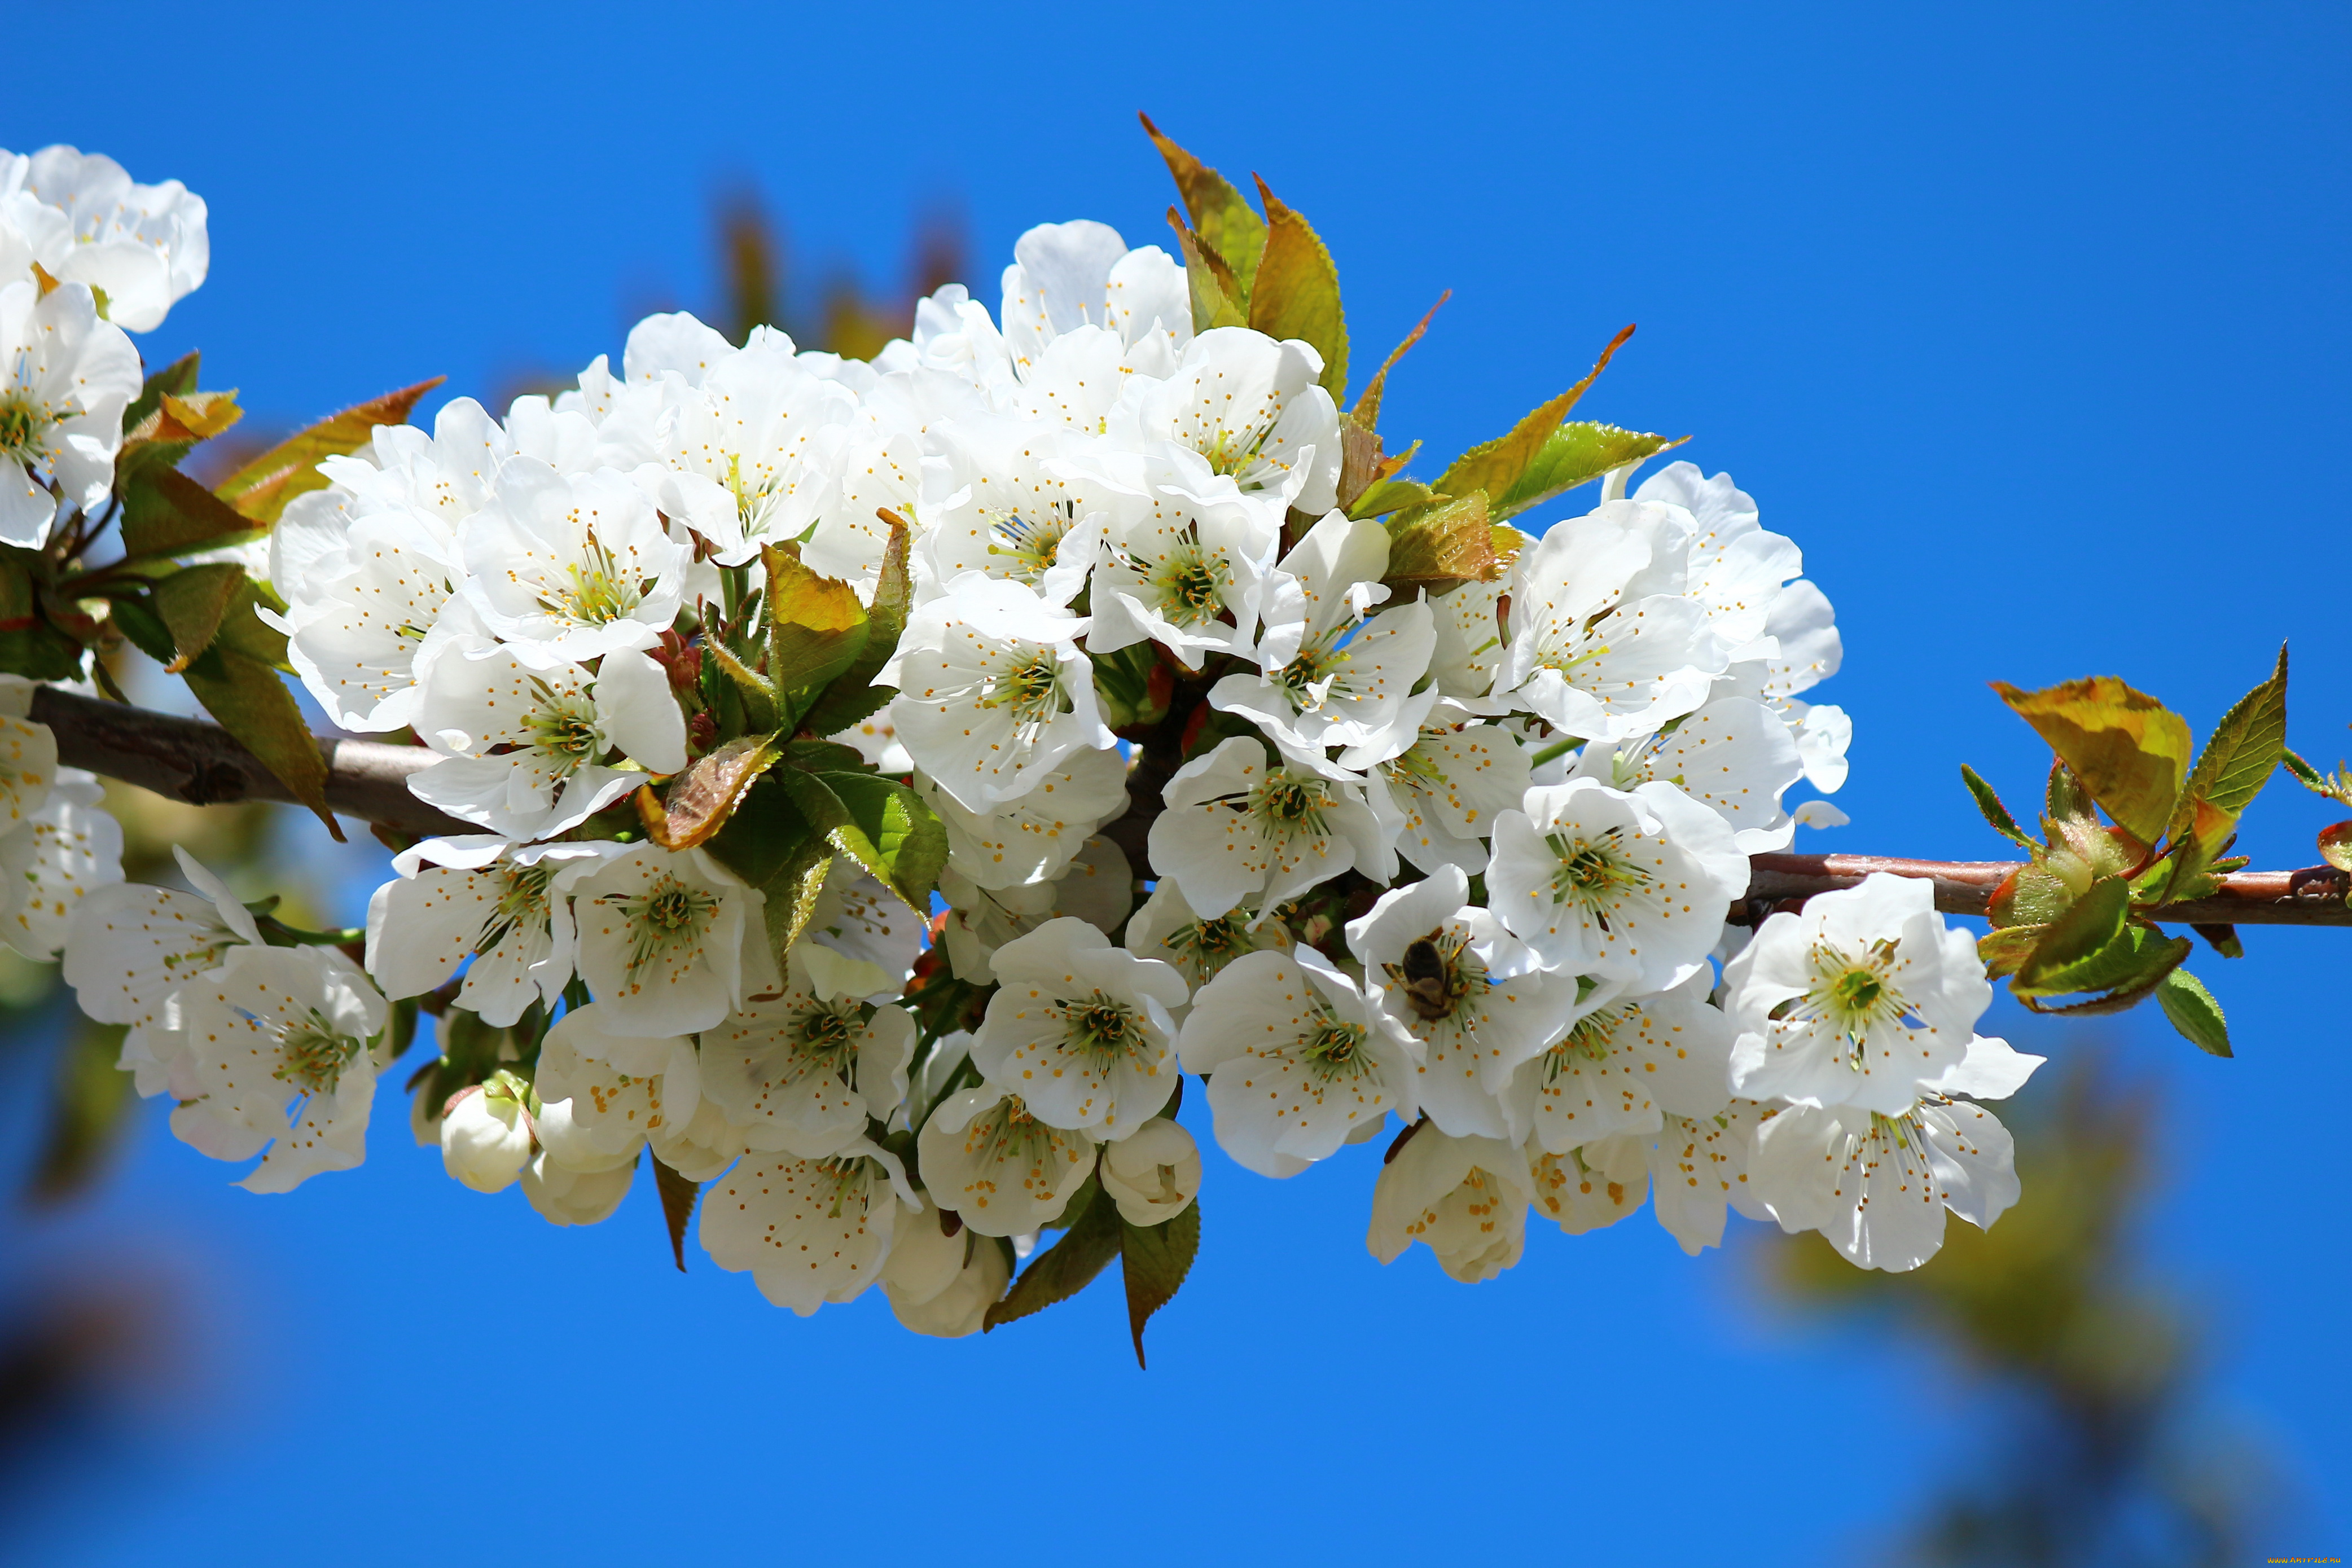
{"points": [[943, 1285], [566, 1197], [1153, 1173], [485, 1135]]}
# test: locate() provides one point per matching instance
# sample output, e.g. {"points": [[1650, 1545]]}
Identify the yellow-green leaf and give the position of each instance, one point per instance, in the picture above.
{"points": [[262, 488], [252, 703], [1367, 411], [816, 626], [1219, 212], [192, 603], [2129, 750], [2236, 762], [2194, 1013], [1438, 546], [1215, 293], [1499, 464], [1296, 294], [2088, 926], [1995, 813], [852, 694], [165, 513], [1576, 454]]}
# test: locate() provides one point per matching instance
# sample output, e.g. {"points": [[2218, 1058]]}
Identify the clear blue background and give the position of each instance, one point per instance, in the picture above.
{"points": [[2028, 322]]}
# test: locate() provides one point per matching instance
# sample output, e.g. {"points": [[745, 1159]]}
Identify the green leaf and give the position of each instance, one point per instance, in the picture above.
{"points": [[816, 628], [698, 801], [262, 488], [252, 703], [145, 629], [1439, 545], [1498, 466], [1066, 1268], [897, 835], [1155, 1259], [2194, 1013], [852, 695], [2130, 751], [769, 843], [192, 603], [2249, 742], [2093, 922], [1577, 453], [1994, 811], [89, 1107], [2004, 948], [1215, 293], [1296, 291], [677, 1196], [1390, 495], [753, 692], [29, 644], [1220, 213], [165, 513], [2134, 960], [2029, 896]]}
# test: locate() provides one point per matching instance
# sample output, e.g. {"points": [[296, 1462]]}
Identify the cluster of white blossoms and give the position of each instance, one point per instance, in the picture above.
{"points": [[1451, 866], [84, 254]]}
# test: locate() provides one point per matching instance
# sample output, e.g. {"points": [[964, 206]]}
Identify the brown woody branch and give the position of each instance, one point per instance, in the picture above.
{"points": [[189, 759], [201, 763]]}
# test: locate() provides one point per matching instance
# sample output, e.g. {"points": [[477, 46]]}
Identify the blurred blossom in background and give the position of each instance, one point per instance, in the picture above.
{"points": [[1959, 312]]}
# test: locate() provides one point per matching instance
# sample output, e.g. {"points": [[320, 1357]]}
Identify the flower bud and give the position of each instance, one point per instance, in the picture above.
{"points": [[1153, 1173], [943, 1285], [566, 1197], [486, 1136]]}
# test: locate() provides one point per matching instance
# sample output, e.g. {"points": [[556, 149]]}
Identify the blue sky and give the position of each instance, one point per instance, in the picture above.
{"points": [[2027, 323]]}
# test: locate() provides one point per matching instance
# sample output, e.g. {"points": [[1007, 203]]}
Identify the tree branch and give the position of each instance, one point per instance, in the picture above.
{"points": [[201, 763], [2312, 896], [191, 760]]}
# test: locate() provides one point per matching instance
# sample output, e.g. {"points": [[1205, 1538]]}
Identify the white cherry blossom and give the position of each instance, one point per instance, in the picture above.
{"points": [[669, 941], [1080, 1029], [486, 1134], [809, 1231], [1439, 797], [602, 1095], [1250, 408], [566, 567], [1624, 1067], [1471, 996], [994, 691], [82, 219], [1629, 886], [483, 898], [279, 1037], [984, 1154], [804, 1070], [1164, 927], [61, 853], [1031, 836], [1588, 652], [1329, 676], [66, 376], [1876, 1186], [528, 750], [1733, 754], [1858, 999], [1464, 1198], [562, 1195], [1236, 826], [1299, 1058], [1068, 276], [942, 1285]]}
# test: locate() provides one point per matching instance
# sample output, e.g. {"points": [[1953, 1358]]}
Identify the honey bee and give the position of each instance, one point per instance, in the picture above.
{"points": [[1428, 982]]}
